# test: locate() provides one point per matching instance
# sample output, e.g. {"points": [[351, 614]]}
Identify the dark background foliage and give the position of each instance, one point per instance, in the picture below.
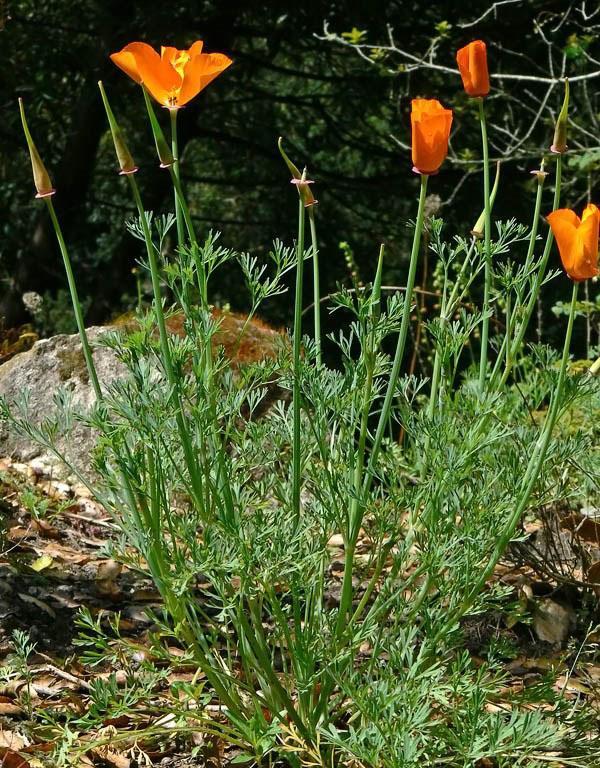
{"points": [[340, 114]]}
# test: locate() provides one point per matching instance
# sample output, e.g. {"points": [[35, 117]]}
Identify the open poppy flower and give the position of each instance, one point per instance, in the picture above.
{"points": [[577, 240], [431, 124], [472, 63], [174, 77]]}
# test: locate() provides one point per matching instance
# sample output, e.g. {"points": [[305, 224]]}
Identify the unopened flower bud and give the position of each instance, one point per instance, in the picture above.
{"points": [[41, 177], [540, 174], [126, 161], [299, 179], [478, 229], [559, 145], [162, 148]]}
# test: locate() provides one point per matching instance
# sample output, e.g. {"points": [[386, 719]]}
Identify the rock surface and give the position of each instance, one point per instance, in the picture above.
{"points": [[58, 362], [52, 364]]}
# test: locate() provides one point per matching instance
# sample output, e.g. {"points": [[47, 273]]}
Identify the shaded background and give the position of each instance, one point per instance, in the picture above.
{"points": [[344, 115]]}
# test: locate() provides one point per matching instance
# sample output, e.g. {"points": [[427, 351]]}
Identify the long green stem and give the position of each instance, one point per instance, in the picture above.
{"points": [[508, 344], [296, 445], [539, 279], [316, 281], [446, 313], [401, 344], [485, 325], [357, 506], [190, 456], [503, 354], [530, 478], [177, 172], [87, 352]]}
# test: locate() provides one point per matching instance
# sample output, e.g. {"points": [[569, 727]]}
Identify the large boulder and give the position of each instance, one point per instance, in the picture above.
{"points": [[52, 364], [59, 362]]}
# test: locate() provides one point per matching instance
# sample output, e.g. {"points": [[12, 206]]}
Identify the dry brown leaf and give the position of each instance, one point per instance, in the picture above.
{"points": [[11, 759], [116, 759], [18, 533], [45, 529], [584, 527], [11, 740], [9, 707], [38, 603], [65, 553], [593, 573]]}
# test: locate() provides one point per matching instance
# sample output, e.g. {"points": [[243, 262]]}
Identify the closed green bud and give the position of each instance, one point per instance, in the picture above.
{"points": [[559, 145], [162, 148], [299, 179], [41, 177], [478, 229], [126, 161]]}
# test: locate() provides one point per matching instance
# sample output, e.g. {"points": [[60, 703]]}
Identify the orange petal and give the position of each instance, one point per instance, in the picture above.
{"points": [[126, 58], [141, 62], [430, 131], [472, 63], [587, 266], [565, 224], [199, 72]]}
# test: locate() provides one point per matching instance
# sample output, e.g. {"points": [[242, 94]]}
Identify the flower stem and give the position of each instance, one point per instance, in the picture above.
{"points": [[402, 336], [531, 475], [296, 447], [176, 171], [190, 456], [504, 354], [87, 352], [357, 506], [485, 325], [316, 286], [539, 279]]}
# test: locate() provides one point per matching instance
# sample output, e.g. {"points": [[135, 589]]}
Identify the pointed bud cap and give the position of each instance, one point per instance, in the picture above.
{"points": [[479, 228], [540, 174], [41, 177], [126, 161], [299, 179], [162, 148], [559, 145]]}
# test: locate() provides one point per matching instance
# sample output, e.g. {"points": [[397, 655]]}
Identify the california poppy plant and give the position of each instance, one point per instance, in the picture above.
{"points": [[472, 63], [577, 241], [174, 77], [430, 123]]}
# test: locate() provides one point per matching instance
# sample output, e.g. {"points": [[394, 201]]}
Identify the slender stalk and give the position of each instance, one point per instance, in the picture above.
{"points": [[485, 325], [316, 280], [176, 170], [401, 344], [189, 453], [87, 352], [357, 506], [539, 278], [296, 447], [503, 354], [508, 326], [445, 314], [529, 480]]}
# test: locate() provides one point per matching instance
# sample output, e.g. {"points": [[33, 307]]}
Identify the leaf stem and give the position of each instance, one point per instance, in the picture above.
{"points": [[485, 324], [402, 336], [297, 346], [87, 352], [176, 170]]}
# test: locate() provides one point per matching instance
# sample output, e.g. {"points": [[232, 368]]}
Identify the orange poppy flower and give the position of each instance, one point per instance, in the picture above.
{"points": [[577, 240], [430, 132], [472, 63], [174, 77]]}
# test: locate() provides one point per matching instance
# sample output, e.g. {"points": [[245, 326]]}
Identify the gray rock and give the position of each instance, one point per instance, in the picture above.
{"points": [[52, 364]]}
